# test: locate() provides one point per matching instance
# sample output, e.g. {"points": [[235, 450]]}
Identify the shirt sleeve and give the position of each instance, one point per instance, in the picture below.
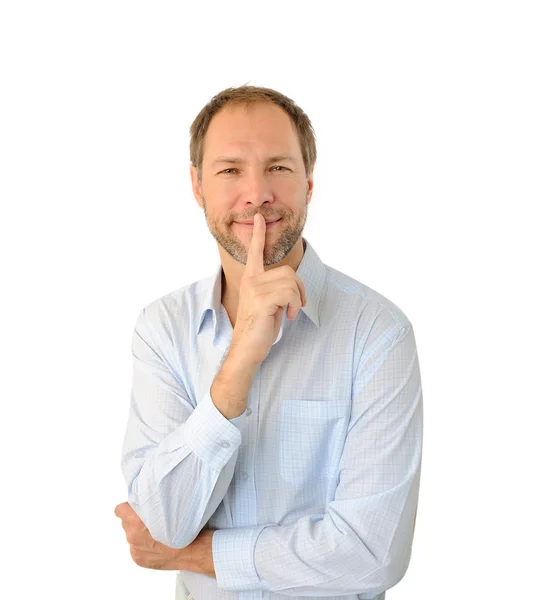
{"points": [[362, 544], [177, 459]]}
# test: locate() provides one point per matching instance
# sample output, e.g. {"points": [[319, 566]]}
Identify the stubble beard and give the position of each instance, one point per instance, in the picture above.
{"points": [[284, 239]]}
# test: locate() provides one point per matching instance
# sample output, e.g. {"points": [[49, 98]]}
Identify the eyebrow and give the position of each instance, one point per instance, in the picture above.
{"points": [[236, 160]]}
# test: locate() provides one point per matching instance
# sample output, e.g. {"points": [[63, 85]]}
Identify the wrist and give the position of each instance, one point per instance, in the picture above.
{"points": [[200, 558], [230, 388]]}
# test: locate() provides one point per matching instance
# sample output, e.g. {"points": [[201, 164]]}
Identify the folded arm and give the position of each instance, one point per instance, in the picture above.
{"points": [[178, 459], [362, 543]]}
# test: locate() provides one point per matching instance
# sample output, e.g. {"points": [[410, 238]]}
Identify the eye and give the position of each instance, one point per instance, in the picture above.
{"points": [[280, 167], [231, 169]]}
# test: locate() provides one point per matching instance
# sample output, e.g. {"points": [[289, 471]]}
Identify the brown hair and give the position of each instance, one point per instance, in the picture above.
{"points": [[249, 94]]}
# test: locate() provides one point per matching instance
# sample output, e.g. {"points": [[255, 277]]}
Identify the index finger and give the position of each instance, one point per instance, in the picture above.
{"points": [[254, 262]]}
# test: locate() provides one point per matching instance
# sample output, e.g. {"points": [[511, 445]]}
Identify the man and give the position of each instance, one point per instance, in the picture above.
{"points": [[274, 440]]}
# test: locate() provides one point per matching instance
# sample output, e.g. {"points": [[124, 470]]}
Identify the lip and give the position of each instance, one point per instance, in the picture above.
{"points": [[251, 224]]}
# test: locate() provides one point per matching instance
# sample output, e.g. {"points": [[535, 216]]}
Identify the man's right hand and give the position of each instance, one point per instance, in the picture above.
{"points": [[263, 296]]}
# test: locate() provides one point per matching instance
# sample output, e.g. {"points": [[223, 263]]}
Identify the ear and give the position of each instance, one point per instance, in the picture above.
{"points": [[196, 185], [310, 185]]}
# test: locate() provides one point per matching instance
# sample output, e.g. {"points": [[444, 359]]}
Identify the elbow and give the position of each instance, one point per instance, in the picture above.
{"points": [[155, 522], [177, 541], [170, 541], [152, 519], [161, 527], [393, 569], [159, 533], [182, 539]]}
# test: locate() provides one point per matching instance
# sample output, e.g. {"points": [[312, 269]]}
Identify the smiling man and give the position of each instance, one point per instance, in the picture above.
{"points": [[253, 163], [274, 440]]}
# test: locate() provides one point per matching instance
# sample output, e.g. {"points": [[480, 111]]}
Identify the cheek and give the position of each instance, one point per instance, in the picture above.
{"points": [[286, 185], [222, 197]]}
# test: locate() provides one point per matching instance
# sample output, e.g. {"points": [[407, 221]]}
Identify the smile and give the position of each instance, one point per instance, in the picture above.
{"points": [[250, 225]]}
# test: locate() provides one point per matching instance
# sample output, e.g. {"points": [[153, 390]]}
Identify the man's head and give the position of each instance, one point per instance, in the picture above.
{"points": [[253, 150]]}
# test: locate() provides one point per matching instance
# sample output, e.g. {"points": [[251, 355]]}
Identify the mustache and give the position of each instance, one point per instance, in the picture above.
{"points": [[251, 217]]}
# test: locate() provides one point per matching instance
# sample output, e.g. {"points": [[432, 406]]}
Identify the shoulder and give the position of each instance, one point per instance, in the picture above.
{"points": [[176, 309], [365, 302]]}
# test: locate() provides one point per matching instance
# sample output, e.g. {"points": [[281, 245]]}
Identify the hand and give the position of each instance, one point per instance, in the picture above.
{"points": [[148, 553], [263, 296], [145, 551]]}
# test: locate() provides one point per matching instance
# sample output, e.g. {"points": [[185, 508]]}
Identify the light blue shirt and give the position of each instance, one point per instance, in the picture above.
{"points": [[313, 490]]}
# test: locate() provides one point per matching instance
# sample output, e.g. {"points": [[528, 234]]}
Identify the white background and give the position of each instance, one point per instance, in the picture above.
{"points": [[425, 186]]}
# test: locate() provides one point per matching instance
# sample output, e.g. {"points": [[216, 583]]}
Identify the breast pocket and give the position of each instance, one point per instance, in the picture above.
{"points": [[311, 433]]}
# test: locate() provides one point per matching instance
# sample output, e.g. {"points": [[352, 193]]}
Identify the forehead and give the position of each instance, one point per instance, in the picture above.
{"points": [[261, 127]]}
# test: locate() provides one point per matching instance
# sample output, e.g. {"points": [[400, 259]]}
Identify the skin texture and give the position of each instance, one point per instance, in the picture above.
{"points": [[230, 192]]}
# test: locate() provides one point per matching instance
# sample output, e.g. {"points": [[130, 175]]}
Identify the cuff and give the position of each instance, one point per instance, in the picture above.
{"points": [[211, 436], [233, 557]]}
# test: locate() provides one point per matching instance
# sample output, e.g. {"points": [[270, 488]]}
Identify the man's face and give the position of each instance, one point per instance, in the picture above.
{"points": [[235, 190]]}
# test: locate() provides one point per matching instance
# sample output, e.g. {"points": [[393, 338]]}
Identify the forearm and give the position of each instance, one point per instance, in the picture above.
{"points": [[178, 486], [318, 554], [336, 555], [179, 452], [231, 387], [199, 558]]}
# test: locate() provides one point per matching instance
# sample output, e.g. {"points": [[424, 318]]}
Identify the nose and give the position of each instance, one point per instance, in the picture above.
{"points": [[257, 188]]}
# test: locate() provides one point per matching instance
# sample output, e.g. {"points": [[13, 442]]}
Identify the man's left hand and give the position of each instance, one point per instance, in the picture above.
{"points": [[148, 553]]}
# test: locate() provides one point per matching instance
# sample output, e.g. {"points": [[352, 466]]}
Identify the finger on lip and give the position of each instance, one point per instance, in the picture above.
{"points": [[264, 219], [254, 261]]}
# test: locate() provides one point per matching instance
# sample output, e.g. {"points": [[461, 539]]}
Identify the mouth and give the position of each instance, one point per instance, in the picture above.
{"points": [[250, 225]]}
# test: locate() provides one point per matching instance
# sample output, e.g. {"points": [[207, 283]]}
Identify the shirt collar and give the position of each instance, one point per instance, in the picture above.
{"points": [[311, 271]]}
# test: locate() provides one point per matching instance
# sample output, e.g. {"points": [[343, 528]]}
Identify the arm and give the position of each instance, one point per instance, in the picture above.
{"points": [[178, 459], [362, 543], [150, 554]]}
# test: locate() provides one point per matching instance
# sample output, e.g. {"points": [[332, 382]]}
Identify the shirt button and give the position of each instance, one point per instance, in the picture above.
{"points": [[244, 475], [224, 444], [248, 412]]}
